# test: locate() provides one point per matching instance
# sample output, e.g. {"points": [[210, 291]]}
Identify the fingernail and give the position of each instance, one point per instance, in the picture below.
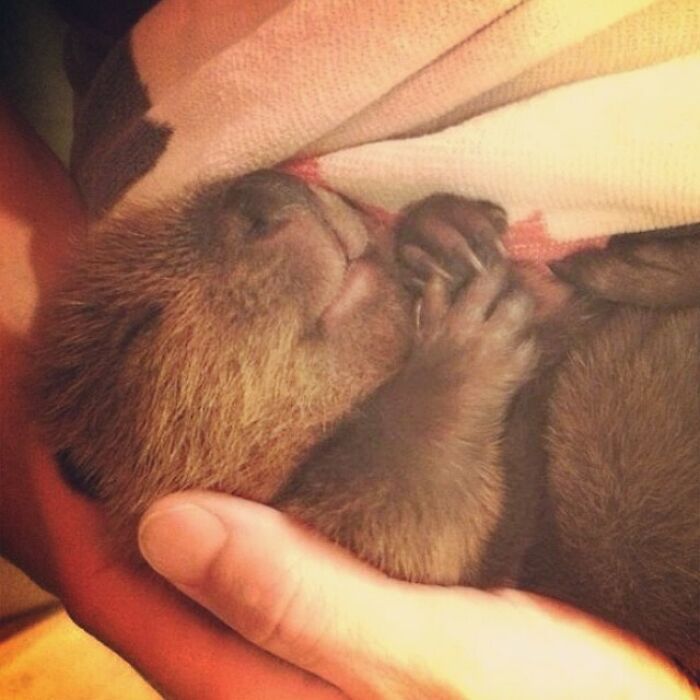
{"points": [[180, 542]]}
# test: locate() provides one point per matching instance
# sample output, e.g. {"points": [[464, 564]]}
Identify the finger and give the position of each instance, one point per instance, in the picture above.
{"points": [[449, 247], [415, 284], [286, 590], [474, 303], [180, 651], [513, 313], [422, 263], [435, 303], [486, 219]]}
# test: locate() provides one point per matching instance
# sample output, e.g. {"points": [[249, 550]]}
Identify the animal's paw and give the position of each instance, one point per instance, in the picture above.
{"points": [[636, 269], [449, 237], [482, 334]]}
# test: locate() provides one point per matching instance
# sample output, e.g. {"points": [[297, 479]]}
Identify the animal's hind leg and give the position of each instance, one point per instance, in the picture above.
{"points": [[656, 270]]}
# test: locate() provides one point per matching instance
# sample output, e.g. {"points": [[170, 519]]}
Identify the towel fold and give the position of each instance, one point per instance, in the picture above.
{"points": [[581, 119]]}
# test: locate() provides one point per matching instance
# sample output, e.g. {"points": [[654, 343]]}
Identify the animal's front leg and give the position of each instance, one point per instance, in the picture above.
{"points": [[413, 481]]}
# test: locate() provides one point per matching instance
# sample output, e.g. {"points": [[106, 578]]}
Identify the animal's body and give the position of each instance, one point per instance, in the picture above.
{"points": [[262, 339]]}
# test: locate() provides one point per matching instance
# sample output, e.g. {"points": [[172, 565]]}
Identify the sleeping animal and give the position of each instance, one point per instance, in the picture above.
{"points": [[397, 390]]}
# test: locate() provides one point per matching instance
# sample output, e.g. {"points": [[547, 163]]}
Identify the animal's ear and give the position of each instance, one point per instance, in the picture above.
{"points": [[658, 272]]}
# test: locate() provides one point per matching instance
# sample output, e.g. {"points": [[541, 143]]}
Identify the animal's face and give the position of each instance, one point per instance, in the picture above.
{"points": [[214, 342]]}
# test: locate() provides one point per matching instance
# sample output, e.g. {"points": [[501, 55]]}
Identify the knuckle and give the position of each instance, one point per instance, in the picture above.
{"points": [[519, 307], [266, 613], [275, 626], [528, 354]]}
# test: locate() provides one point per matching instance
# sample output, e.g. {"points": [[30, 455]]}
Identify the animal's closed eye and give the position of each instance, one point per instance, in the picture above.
{"points": [[139, 323], [257, 228], [262, 227], [74, 477]]}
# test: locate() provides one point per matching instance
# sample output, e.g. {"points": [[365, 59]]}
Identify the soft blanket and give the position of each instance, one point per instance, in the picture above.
{"points": [[581, 118]]}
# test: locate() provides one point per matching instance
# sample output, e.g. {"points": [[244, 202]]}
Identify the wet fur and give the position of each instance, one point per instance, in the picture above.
{"points": [[489, 447]]}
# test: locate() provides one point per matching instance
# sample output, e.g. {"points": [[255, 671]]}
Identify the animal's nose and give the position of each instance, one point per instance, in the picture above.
{"points": [[261, 198]]}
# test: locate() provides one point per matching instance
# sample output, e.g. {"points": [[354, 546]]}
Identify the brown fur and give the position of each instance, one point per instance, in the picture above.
{"points": [[192, 346], [624, 452], [158, 371]]}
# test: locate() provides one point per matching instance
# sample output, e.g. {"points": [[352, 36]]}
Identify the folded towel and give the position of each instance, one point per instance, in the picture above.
{"points": [[581, 119]]}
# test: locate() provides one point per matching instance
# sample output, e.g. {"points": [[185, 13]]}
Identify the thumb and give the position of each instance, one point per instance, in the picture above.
{"points": [[304, 600], [287, 590]]}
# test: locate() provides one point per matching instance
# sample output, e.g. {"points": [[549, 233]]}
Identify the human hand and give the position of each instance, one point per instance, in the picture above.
{"points": [[306, 601], [57, 536]]}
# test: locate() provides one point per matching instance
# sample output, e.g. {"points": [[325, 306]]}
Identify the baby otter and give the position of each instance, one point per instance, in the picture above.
{"points": [[397, 392]]}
